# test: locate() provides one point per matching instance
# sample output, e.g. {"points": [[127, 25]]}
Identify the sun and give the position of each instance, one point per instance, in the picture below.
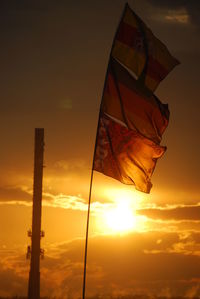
{"points": [[121, 218]]}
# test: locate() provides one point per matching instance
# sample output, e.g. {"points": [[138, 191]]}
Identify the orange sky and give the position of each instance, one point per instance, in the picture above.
{"points": [[53, 63]]}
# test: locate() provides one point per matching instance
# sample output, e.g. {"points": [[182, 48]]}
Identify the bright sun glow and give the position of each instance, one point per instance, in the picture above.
{"points": [[121, 216]]}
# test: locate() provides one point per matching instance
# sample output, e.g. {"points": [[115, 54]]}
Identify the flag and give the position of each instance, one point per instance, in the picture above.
{"points": [[125, 155], [132, 119], [126, 100], [136, 47]]}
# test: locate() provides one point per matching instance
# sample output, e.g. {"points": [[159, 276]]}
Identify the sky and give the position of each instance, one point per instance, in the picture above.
{"points": [[53, 59]]}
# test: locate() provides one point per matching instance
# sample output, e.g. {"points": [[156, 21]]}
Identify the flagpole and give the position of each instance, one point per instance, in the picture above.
{"points": [[92, 171], [87, 231], [89, 200]]}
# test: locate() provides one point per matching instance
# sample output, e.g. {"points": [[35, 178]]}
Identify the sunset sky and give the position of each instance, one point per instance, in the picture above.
{"points": [[53, 60]]}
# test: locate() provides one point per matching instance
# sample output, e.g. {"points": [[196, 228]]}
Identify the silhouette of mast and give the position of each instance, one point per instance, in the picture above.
{"points": [[34, 251]]}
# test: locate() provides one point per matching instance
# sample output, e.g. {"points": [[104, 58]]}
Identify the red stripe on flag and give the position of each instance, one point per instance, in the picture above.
{"points": [[133, 38], [155, 70], [128, 35], [152, 120], [138, 105]]}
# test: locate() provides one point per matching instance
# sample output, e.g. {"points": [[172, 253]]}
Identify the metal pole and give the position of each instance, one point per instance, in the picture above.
{"points": [[34, 275]]}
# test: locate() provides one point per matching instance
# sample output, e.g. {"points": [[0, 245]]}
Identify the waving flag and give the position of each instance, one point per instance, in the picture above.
{"points": [[137, 48], [132, 119]]}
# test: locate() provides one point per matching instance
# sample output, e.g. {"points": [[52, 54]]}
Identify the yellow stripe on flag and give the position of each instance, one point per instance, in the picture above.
{"points": [[130, 57], [137, 48]]}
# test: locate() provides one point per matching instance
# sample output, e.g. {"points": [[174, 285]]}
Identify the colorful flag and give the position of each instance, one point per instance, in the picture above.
{"points": [[125, 155], [136, 47], [132, 119], [137, 107]]}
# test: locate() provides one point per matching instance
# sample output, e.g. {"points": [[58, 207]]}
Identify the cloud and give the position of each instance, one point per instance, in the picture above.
{"points": [[117, 265], [12, 280], [64, 201], [191, 293], [11, 283], [175, 213], [71, 165], [179, 16], [12, 195], [192, 7], [15, 193]]}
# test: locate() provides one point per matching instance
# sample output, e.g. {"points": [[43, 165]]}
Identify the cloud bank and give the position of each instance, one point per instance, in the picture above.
{"points": [[148, 263]]}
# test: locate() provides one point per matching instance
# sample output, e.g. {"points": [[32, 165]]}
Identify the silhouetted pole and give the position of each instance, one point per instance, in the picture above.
{"points": [[35, 251]]}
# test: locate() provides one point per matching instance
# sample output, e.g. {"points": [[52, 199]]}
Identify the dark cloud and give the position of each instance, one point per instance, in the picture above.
{"points": [[11, 282], [192, 7], [14, 194], [179, 213], [122, 262], [141, 263], [149, 262]]}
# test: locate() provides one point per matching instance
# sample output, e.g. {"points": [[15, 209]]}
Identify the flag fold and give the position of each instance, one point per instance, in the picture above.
{"points": [[125, 155], [126, 100]]}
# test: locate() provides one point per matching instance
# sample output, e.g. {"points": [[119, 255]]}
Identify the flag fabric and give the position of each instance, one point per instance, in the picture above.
{"points": [[137, 107], [132, 119], [137, 48], [125, 155]]}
